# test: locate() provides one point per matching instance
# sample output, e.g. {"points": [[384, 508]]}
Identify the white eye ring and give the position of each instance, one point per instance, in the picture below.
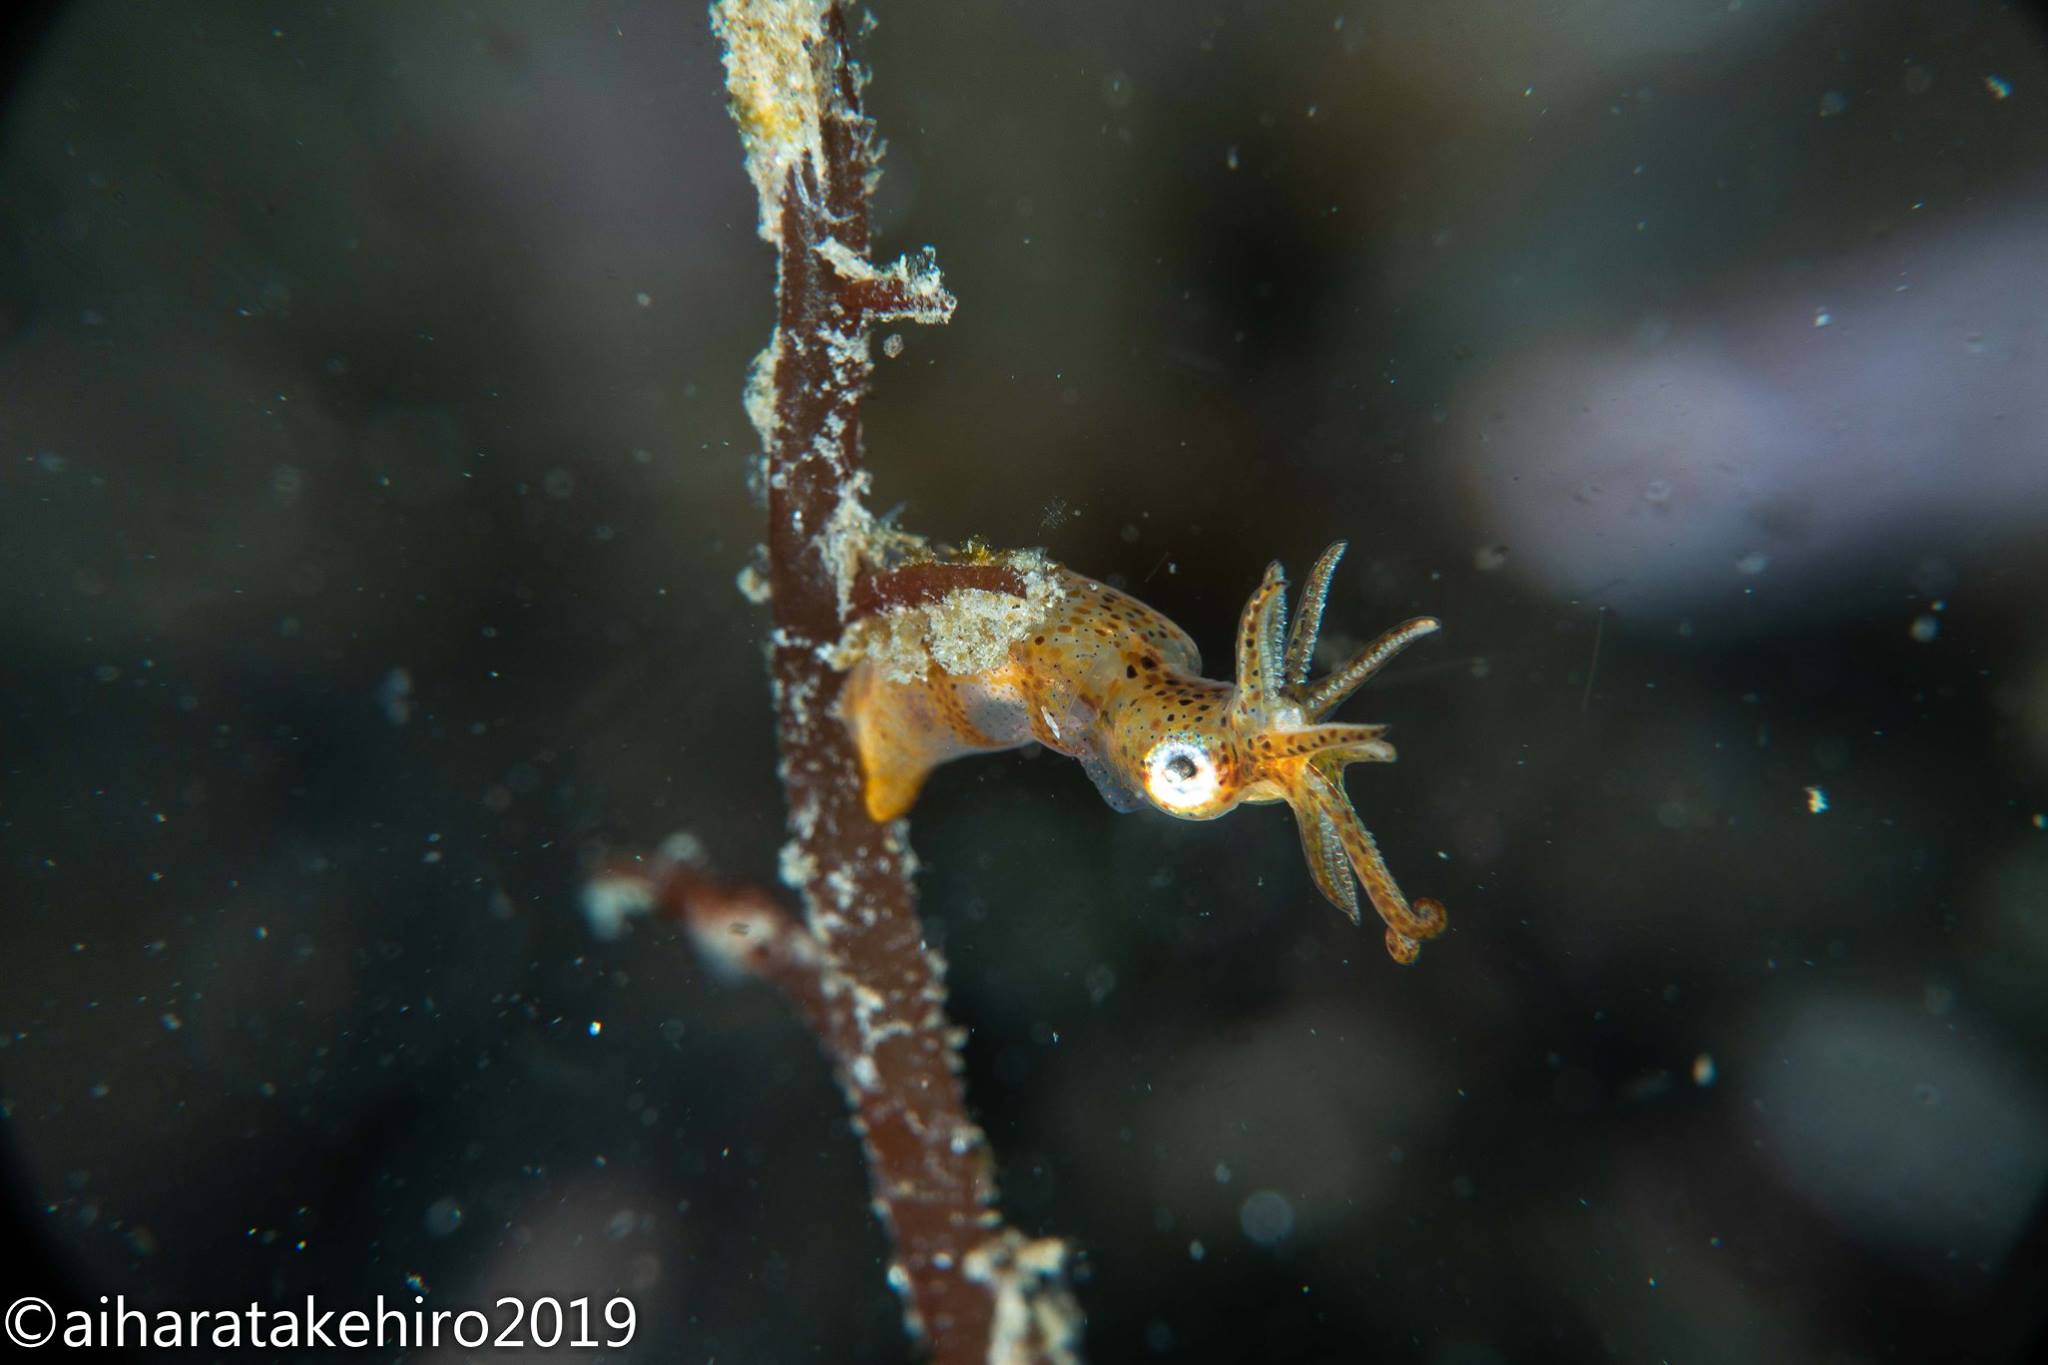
{"points": [[1180, 775]]}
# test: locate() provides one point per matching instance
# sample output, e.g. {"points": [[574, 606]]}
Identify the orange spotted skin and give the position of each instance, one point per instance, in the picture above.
{"points": [[1109, 681]]}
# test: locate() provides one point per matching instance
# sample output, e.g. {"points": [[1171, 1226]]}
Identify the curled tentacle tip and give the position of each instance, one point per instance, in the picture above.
{"points": [[1426, 920]]}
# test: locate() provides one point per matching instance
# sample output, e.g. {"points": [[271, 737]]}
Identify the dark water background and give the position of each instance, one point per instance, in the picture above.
{"points": [[372, 486]]}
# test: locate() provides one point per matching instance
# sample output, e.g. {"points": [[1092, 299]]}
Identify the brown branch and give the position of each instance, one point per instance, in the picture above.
{"points": [[858, 969], [1029, 1318], [918, 585], [741, 928]]}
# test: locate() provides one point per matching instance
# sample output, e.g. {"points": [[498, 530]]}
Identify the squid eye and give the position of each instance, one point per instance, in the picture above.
{"points": [[1180, 775]]}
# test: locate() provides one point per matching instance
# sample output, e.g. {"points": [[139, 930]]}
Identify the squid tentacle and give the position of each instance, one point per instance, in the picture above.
{"points": [[1341, 853], [1330, 809], [1308, 615], [1336, 687], [1324, 850], [1260, 655]]}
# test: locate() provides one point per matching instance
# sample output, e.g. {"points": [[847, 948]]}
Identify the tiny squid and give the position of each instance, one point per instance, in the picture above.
{"points": [[1103, 678]]}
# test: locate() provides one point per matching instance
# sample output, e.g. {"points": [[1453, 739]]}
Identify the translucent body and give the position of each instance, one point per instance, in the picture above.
{"points": [[1109, 681]]}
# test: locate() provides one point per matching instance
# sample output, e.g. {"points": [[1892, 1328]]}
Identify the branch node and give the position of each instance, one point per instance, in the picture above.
{"points": [[1037, 1321], [909, 289]]}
